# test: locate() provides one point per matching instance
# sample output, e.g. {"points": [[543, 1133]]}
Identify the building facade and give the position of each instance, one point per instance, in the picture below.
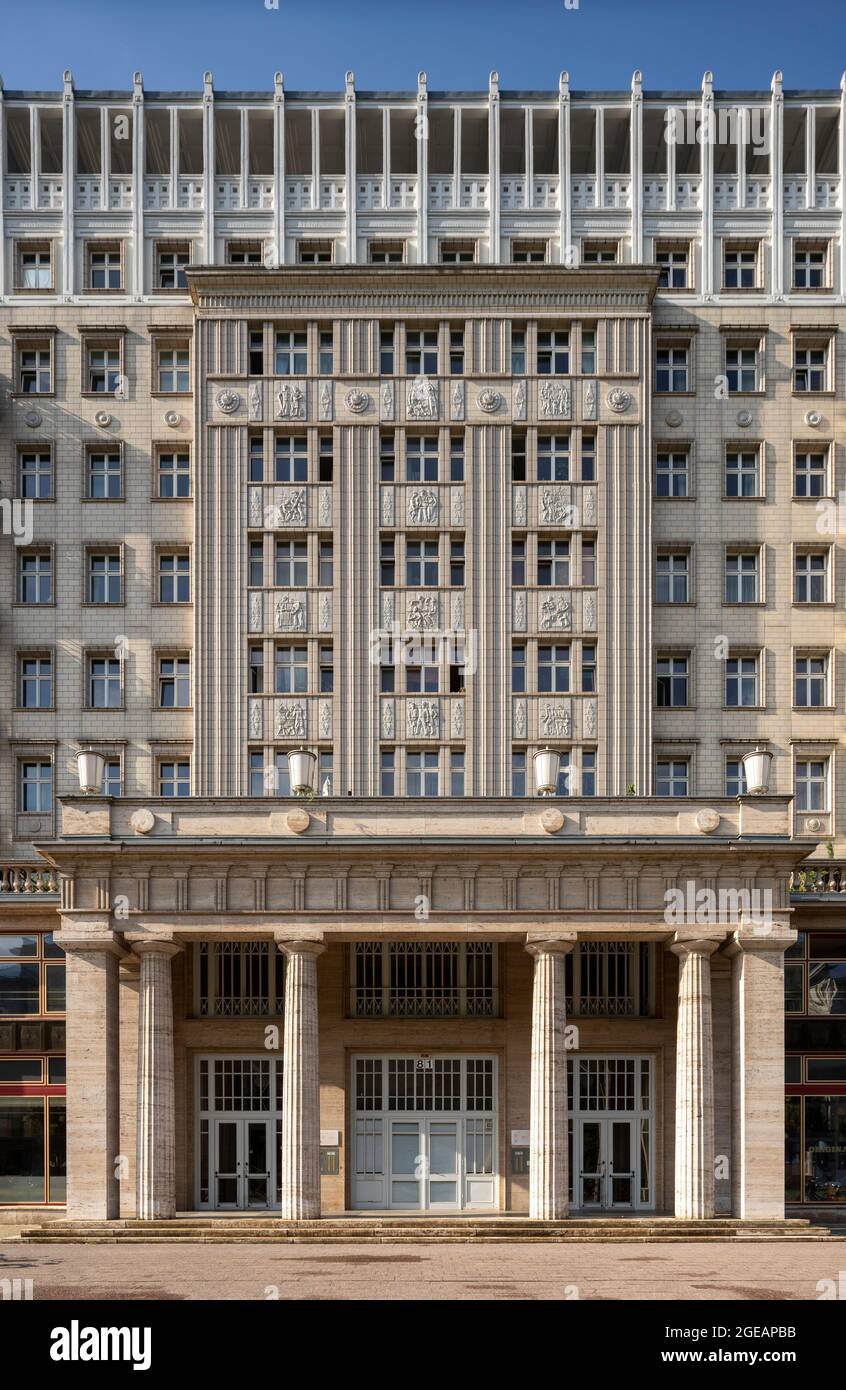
{"points": [[423, 431]]}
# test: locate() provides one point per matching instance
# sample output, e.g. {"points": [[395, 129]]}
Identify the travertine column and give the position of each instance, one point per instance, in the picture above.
{"points": [[155, 1143], [694, 1158], [548, 1132], [757, 1167], [300, 1083], [93, 1063]]}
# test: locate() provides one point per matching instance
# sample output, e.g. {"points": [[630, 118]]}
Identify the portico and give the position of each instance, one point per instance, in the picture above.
{"points": [[258, 1019]]}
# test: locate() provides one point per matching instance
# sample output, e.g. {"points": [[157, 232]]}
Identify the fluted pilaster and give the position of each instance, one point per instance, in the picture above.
{"points": [[694, 1160], [300, 1084], [548, 1132]]}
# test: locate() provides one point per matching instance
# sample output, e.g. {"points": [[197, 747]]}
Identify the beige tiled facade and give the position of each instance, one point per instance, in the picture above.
{"points": [[288, 379]]}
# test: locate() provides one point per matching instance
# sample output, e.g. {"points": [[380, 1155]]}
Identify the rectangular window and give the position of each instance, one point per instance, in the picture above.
{"points": [[174, 475], [255, 564], [672, 474], [35, 786], [518, 458], [518, 351], [810, 682], [291, 567], [256, 351], [103, 376], [35, 473], [554, 669], [175, 777], [256, 463], [104, 683], [809, 267], [421, 773], [553, 562], [174, 577], [588, 458], [421, 352], [35, 576], [105, 474], [810, 784], [588, 351], [387, 760], [518, 772], [422, 680], [458, 252], [742, 681], [554, 352], [518, 561], [326, 671], [385, 252], [243, 253], [456, 458], [105, 577], [742, 368], [810, 576], [291, 670], [456, 351], [325, 352], [174, 682], [35, 682], [673, 269], [456, 562], [589, 668], [588, 561], [174, 369], [742, 475], [518, 669], [421, 459], [314, 252], [387, 562], [672, 577], [553, 458], [35, 368], [104, 268], [325, 459], [809, 474], [599, 252], [112, 777], [672, 688], [387, 458], [32, 983], [255, 674], [170, 267], [740, 267], [742, 577], [386, 351], [672, 369], [588, 772], [36, 267], [325, 565], [528, 252], [291, 353], [456, 772], [421, 564], [735, 777], [291, 459], [672, 777], [810, 367]]}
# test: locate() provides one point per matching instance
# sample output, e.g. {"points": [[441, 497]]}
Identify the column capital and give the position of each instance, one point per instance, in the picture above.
{"points": [[85, 943], [695, 945], [539, 945], [745, 941], [159, 946], [313, 945]]}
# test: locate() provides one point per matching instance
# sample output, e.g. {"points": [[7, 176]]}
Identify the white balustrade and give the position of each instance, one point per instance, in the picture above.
{"points": [[157, 194], [512, 193], [227, 194], [333, 194], [725, 194], [403, 193], [441, 194], [297, 194], [473, 193], [370, 194], [89, 191], [51, 192], [261, 194], [759, 192], [189, 194], [545, 193], [617, 191], [583, 193], [827, 193], [18, 193], [689, 192], [120, 194]]}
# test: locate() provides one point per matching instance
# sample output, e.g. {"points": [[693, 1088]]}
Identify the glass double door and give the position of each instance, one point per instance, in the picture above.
{"points": [[604, 1163], [425, 1159], [243, 1164]]}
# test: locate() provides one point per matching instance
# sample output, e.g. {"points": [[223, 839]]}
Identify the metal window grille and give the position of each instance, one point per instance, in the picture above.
{"points": [[398, 979], [239, 979]]}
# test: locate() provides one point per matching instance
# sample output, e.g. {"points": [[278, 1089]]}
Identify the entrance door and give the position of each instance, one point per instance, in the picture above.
{"points": [[606, 1155], [242, 1164], [425, 1163]]}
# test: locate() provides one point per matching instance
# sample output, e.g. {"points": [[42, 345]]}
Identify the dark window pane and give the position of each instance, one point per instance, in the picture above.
{"points": [[18, 988], [18, 945], [58, 1148], [21, 1149]]}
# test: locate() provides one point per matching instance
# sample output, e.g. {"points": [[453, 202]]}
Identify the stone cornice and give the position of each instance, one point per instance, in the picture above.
{"points": [[476, 289]]}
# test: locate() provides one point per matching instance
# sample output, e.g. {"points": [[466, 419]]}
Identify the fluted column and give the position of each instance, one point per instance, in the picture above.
{"points": [[300, 1083], [548, 1129], [155, 1136], [694, 1160]]}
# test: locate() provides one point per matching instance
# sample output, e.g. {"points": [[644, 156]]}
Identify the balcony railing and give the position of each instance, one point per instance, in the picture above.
{"points": [[583, 193], [819, 879], [233, 194], [27, 880], [759, 193], [441, 194], [473, 192], [402, 193]]}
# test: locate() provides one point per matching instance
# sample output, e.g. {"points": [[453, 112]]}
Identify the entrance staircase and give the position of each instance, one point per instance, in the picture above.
{"points": [[418, 1230]]}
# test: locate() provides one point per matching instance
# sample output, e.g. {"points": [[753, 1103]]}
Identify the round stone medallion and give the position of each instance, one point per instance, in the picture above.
{"points": [[142, 821], [552, 821], [707, 820], [298, 821]]}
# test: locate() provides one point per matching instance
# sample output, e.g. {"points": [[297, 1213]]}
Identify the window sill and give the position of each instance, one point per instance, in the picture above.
{"points": [[755, 497], [813, 709]]}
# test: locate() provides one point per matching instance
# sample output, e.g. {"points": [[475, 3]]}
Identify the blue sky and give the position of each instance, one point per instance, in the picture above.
{"points": [[457, 42]]}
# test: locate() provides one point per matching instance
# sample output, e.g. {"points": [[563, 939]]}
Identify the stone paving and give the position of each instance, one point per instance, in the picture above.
{"points": [[716, 1270]]}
